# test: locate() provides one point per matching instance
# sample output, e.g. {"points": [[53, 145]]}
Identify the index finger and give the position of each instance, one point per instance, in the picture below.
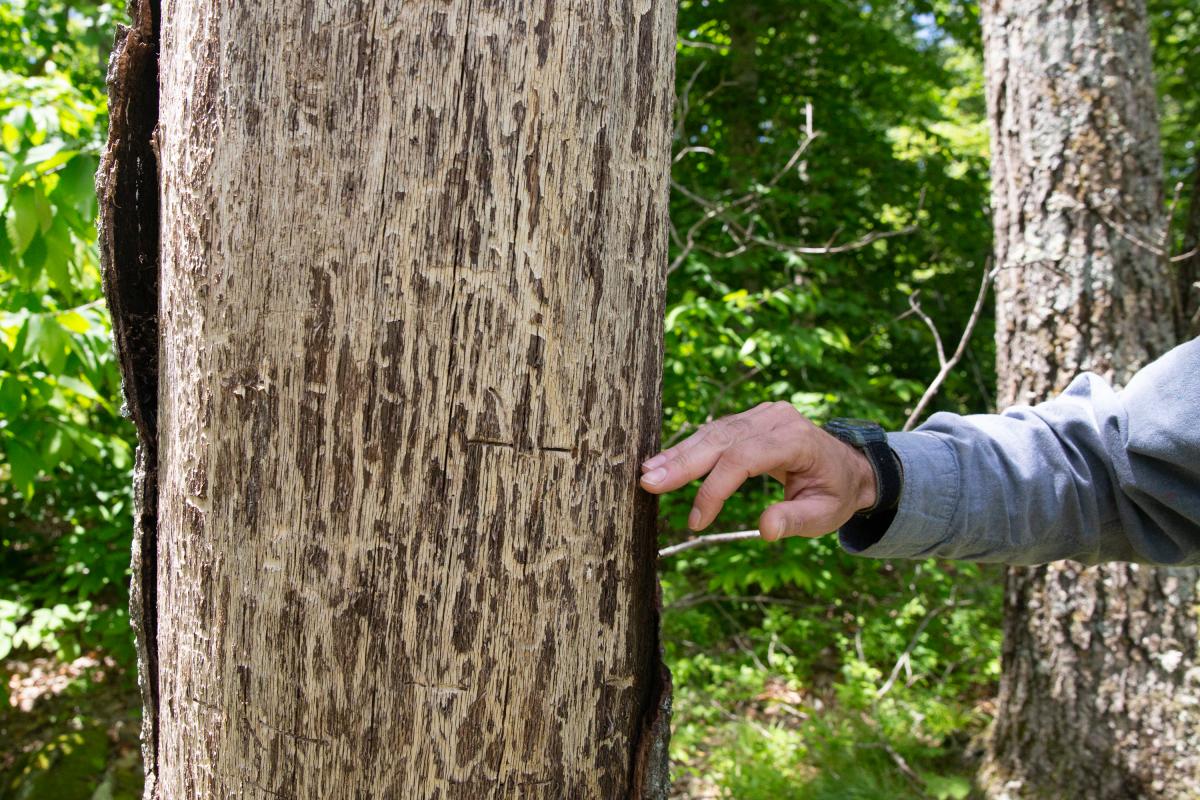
{"points": [[698, 454], [691, 441]]}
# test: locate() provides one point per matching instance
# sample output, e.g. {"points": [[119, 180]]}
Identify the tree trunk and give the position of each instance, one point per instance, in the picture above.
{"points": [[1187, 269], [1099, 670], [412, 276]]}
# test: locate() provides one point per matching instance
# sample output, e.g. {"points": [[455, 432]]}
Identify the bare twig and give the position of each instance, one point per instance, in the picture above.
{"points": [[902, 662], [706, 540], [1160, 251], [708, 151], [701, 45], [914, 305], [947, 364]]}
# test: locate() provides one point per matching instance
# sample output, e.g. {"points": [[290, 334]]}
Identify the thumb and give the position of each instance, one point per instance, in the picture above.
{"points": [[803, 516]]}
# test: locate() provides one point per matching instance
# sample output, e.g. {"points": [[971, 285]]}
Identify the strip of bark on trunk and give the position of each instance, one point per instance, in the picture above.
{"points": [[412, 276], [127, 189], [1099, 664]]}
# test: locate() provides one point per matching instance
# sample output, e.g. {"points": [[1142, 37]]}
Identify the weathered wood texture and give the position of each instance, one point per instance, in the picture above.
{"points": [[1099, 670], [413, 262]]}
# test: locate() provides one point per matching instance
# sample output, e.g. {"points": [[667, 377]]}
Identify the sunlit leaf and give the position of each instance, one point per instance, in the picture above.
{"points": [[22, 219]]}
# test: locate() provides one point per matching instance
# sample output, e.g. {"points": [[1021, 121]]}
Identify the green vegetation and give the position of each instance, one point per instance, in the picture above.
{"points": [[800, 672], [781, 653]]}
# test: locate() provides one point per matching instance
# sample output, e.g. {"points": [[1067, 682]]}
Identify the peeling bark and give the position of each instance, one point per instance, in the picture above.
{"points": [[413, 271], [127, 189], [1099, 664]]}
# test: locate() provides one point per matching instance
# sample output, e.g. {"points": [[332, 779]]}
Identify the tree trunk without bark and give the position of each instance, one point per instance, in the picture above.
{"points": [[412, 275], [1097, 697]]}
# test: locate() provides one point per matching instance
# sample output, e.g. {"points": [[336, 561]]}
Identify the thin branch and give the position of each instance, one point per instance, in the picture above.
{"points": [[914, 305], [1161, 252], [701, 45], [708, 151], [706, 540], [907, 654], [952, 362]]}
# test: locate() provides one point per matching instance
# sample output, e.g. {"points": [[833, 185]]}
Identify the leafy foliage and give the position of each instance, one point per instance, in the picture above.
{"points": [[66, 452], [892, 175], [801, 127]]}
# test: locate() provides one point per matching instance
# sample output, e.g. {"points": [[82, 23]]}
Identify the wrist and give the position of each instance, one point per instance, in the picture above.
{"points": [[866, 483]]}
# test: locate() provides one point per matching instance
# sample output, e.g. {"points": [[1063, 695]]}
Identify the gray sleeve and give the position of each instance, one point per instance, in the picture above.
{"points": [[1092, 475]]}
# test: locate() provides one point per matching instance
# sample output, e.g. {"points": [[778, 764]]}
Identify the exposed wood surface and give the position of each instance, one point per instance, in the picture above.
{"points": [[413, 263]]}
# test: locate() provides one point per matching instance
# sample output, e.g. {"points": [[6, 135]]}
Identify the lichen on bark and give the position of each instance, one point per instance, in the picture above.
{"points": [[1099, 663]]}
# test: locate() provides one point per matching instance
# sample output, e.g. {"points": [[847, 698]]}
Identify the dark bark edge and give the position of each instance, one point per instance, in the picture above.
{"points": [[652, 765], [651, 756], [127, 189]]}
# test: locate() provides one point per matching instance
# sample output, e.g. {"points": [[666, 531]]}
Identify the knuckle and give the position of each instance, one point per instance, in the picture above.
{"points": [[738, 459], [721, 433], [784, 408], [738, 427], [682, 461]]}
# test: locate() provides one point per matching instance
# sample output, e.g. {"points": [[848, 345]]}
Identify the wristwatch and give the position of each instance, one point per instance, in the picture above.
{"points": [[871, 439]]}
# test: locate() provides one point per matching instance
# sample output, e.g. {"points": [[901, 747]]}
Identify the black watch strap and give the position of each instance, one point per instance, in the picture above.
{"points": [[887, 476], [871, 439]]}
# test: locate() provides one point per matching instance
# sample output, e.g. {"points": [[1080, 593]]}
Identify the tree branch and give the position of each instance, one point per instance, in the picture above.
{"points": [[706, 540], [947, 364]]}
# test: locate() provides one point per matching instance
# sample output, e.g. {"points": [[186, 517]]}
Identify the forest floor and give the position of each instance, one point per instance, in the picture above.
{"points": [[70, 731]]}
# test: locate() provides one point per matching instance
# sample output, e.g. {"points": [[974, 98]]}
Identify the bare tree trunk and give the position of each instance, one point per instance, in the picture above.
{"points": [[412, 275], [1099, 675]]}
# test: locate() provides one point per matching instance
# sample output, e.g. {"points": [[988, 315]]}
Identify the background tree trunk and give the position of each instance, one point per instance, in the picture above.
{"points": [[412, 275], [1187, 269], [1099, 675]]}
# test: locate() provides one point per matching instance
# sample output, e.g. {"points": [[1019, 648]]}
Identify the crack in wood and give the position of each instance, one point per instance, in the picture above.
{"points": [[512, 446]]}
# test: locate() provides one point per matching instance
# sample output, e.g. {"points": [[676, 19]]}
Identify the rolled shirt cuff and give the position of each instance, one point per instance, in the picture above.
{"points": [[928, 500]]}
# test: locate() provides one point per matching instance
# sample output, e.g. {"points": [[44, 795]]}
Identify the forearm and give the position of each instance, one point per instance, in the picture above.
{"points": [[1093, 475]]}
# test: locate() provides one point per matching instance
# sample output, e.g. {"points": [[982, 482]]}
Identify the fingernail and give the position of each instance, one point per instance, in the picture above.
{"points": [[651, 463], [655, 477], [694, 519]]}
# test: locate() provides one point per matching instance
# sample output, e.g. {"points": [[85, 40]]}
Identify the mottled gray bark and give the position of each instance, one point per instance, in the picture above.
{"points": [[1099, 682], [412, 276]]}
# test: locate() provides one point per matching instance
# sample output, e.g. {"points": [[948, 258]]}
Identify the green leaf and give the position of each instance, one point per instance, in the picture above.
{"points": [[11, 397], [49, 155], [22, 465], [79, 387], [45, 340], [76, 184], [34, 259], [74, 321], [59, 254], [22, 220]]}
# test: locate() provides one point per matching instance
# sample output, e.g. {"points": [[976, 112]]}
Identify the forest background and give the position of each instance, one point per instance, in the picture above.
{"points": [[829, 211]]}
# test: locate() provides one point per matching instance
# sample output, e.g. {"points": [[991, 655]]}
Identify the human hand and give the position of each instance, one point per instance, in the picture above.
{"points": [[825, 481]]}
